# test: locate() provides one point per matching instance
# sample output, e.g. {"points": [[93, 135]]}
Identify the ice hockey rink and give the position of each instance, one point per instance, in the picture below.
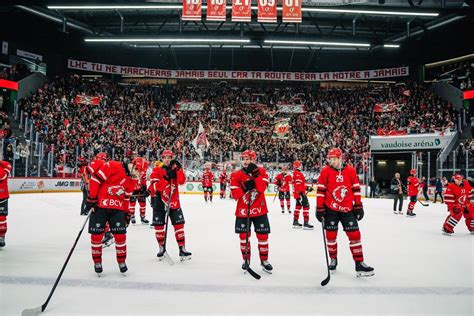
{"points": [[417, 269]]}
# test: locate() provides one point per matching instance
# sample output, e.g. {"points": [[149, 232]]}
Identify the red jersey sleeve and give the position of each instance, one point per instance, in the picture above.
{"points": [[180, 177], [236, 189], [97, 179], [261, 182], [356, 187], [321, 191], [449, 197]]}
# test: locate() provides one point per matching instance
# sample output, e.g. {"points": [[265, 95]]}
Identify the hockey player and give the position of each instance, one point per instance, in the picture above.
{"points": [[5, 170], [140, 192], [339, 200], [458, 200], [248, 187], [223, 179], [413, 185], [282, 181], [85, 177], [299, 193], [99, 160], [207, 178], [164, 183], [109, 195]]}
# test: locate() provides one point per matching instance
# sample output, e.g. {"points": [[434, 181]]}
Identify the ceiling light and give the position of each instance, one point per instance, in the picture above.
{"points": [[316, 43], [166, 40], [391, 45]]}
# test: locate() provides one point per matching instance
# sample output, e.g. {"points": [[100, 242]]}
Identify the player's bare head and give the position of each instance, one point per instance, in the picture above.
{"points": [[397, 175], [458, 179], [335, 157], [167, 156], [134, 173]]}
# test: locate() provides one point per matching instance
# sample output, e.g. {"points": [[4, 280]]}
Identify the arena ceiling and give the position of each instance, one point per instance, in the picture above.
{"points": [[422, 33]]}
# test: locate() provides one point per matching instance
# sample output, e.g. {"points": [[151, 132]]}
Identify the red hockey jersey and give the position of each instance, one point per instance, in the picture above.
{"points": [[413, 185], [459, 196], [112, 187], [5, 169], [299, 184], [94, 166], [159, 184], [207, 178], [223, 178], [338, 190], [283, 181], [258, 204]]}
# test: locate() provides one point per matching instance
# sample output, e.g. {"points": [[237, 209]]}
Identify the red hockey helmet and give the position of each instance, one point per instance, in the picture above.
{"points": [[412, 171], [335, 153], [458, 177], [167, 153], [140, 163], [249, 153], [102, 156], [297, 164]]}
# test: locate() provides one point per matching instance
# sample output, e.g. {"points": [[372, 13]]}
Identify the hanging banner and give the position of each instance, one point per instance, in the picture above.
{"points": [[387, 107], [281, 129], [87, 99], [216, 10], [191, 10], [267, 11], [411, 142], [189, 106], [241, 10], [291, 108], [238, 75], [291, 12]]}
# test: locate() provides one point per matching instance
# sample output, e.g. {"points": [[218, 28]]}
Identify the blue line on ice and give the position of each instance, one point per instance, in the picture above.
{"points": [[212, 288]]}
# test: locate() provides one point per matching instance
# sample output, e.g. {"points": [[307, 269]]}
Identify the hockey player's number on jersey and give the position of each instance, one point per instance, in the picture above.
{"points": [[290, 3], [217, 2], [265, 3], [340, 178], [239, 2]]}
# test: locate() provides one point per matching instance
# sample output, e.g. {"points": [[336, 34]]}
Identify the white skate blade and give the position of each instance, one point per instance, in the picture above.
{"points": [[108, 244], [182, 259], [332, 271], [267, 271], [448, 234], [306, 228], [362, 274], [297, 227]]}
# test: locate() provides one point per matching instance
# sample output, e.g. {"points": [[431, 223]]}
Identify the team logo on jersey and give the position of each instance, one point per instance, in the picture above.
{"points": [[339, 178], [253, 195], [462, 200], [340, 193], [117, 190]]}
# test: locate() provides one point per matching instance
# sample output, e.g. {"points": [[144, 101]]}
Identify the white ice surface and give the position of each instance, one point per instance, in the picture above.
{"points": [[418, 270]]}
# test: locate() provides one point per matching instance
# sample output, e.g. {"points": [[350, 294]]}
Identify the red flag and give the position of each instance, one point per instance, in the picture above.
{"points": [[267, 11], [87, 99], [386, 107], [241, 10], [216, 10], [291, 11], [191, 10]]}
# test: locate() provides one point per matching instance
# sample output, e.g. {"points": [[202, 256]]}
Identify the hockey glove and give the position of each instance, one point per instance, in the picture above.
{"points": [[146, 193], [358, 211], [320, 214], [91, 203], [170, 174], [175, 164], [249, 185], [457, 209], [278, 183], [252, 169], [309, 189], [296, 195]]}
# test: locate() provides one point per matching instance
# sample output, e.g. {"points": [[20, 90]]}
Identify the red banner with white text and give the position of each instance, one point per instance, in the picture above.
{"points": [[87, 99], [291, 12], [216, 10], [267, 11], [191, 10], [241, 10]]}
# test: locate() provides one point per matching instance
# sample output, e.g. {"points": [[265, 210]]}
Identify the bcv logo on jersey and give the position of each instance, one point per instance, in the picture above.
{"points": [[111, 203]]}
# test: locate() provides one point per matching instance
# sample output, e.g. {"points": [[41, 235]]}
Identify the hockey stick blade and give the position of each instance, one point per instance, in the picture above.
{"points": [[423, 203], [253, 273], [326, 280], [168, 259], [32, 311]]}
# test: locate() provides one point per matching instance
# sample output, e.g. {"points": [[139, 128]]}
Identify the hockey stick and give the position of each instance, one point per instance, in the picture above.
{"points": [[423, 203], [40, 309], [326, 280], [167, 216], [247, 244], [274, 198]]}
